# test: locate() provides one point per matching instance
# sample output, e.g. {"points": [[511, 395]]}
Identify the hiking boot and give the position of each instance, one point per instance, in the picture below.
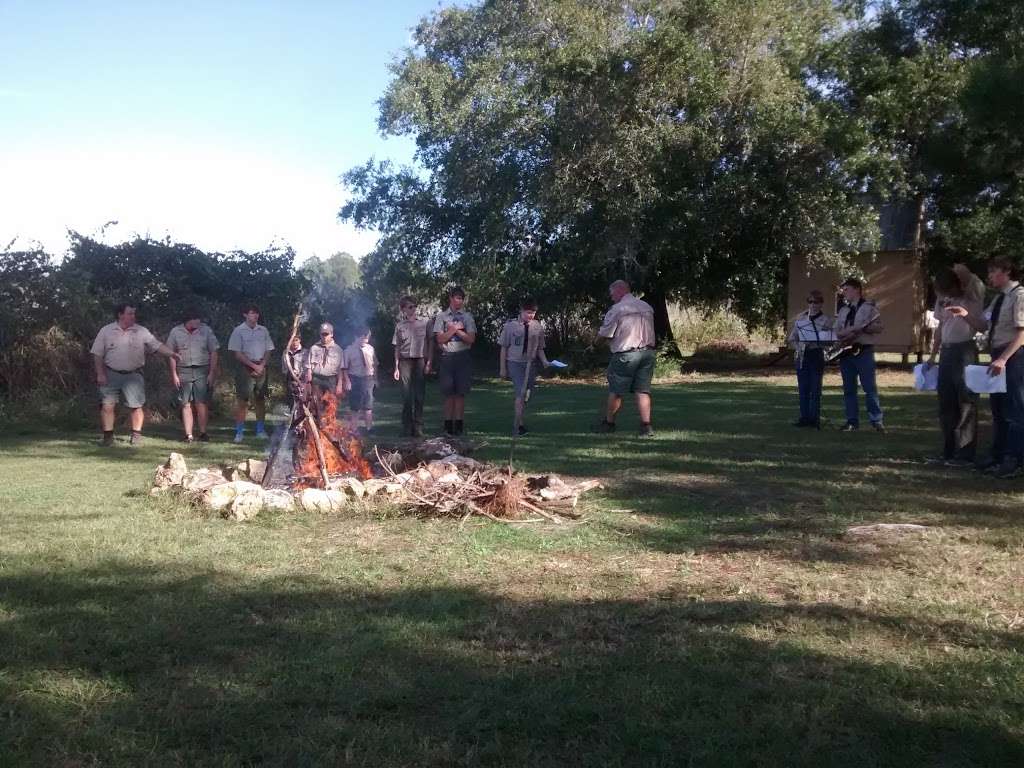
{"points": [[603, 427], [135, 440], [878, 426], [849, 427], [107, 441], [1009, 470], [646, 430], [203, 437]]}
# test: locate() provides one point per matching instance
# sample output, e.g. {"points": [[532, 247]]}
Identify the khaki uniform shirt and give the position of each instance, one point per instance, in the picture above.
{"points": [[195, 348], [629, 324], [867, 320], [325, 361], [254, 343], [956, 330], [513, 335], [455, 344], [360, 359], [410, 338], [1011, 316], [298, 360], [124, 350]]}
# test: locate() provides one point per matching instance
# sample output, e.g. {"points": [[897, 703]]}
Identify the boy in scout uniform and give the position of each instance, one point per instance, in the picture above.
{"points": [[252, 346], [629, 324], [293, 366], [521, 356], [196, 373], [455, 333], [325, 364], [361, 364], [119, 355], [1005, 338], [857, 323], [412, 364]]}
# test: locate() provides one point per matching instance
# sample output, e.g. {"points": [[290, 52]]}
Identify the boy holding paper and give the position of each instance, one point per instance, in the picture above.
{"points": [[958, 309], [1005, 338], [811, 333], [522, 354]]}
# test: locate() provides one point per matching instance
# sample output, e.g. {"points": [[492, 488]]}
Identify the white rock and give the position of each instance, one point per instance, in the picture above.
{"points": [[350, 485], [449, 478], [256, 470], [338, 500], [171, 472], [373, 486], [201, 479], [247, 505], [462, 462], [278, 501], [438, 468], [392, 489], [315, 500], [219, 497]]}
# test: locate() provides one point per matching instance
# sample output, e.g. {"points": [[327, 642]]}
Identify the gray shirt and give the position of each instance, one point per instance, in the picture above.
{"points": [[124, 349], [196, 347], [441, 322], [254, 343]]}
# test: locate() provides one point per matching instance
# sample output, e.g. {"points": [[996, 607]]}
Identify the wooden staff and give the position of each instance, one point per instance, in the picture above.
{"points": [[311, 425]]}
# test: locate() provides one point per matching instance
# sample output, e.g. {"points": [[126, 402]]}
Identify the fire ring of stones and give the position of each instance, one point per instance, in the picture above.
{"points": [[424, 478]]}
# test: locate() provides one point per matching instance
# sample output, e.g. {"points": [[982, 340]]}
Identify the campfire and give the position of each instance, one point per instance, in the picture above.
{"points": [[317, 464]]}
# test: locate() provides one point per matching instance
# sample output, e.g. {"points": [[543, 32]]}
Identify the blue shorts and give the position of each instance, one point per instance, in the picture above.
{"points": [[360, 397], [517, 372]]}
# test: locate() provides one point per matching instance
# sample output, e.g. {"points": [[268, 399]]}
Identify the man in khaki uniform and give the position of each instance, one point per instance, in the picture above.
{"points": [[412, 364], [195, 375], [1005, 338], [629, 324], [252, 346], [119, 355], [325, 364]]}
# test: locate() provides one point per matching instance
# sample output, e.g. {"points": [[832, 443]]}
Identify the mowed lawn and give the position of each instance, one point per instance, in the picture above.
{"points": [[708, 612]]}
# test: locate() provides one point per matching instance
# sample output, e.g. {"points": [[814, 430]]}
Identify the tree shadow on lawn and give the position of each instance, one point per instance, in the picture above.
{"points": [[125, 665]]}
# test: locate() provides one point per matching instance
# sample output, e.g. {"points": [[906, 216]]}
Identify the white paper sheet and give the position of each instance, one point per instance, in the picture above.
{"points": [[978, 380], [926, 380], [558, 364]]}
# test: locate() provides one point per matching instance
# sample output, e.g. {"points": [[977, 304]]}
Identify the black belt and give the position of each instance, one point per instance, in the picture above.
{"points": [[204, 365], [124, 373], [633, 349]]}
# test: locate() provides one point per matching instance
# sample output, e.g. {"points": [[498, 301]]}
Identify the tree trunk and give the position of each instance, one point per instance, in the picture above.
{"points": [[662, 325]]}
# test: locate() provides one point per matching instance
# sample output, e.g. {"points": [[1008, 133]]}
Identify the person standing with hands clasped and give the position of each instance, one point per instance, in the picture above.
{"points": [[1005, 338], [522, 354], [857, 323], [455, 333], [960, 297], [412, 364], [325, 364], [810, 358], [361, 365], [195, 375], [251, 344]]}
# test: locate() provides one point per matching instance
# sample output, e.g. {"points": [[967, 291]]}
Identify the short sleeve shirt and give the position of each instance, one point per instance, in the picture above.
{"points": [[410, 338], [254, 343], [124, 349], [1011, 315], [360, 359], [298, 360], [864, 314], [629, 324], [513, 338], [441, 323], [325, 361], [196, 347]]}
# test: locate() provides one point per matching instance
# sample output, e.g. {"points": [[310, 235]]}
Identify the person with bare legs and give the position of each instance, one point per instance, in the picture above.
{"points": [[251, 344], [119, 355], [361, 367], [629, 325], [455, 333], [195, 375]]}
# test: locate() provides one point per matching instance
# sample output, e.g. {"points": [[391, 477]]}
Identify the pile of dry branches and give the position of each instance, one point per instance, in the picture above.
{"points": [[496, 493]]}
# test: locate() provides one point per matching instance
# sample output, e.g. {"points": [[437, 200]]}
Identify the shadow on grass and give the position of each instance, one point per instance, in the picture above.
{"points": [[120, 665]]}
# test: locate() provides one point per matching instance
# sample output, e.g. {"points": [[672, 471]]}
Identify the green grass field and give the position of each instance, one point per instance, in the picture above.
{"points": [[707, 612]]}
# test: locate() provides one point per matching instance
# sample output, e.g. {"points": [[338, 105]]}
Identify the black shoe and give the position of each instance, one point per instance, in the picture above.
{"points": [[878, 426], [603, 427], [135, 440], [188, 439], [956, 463], [849, 427], [988, 467], [937, 461], [1008, 470], [107, 441], [449, 428], [646, 430], [458, 428], [522, 430], [203, 437]]}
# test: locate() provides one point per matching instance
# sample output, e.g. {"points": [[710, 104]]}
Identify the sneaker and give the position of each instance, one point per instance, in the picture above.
{"points": [[522, 430], [849, 427], [135, 439], [878, 426], [959, 463], [604, 426], [936, 461], [1009, 470], [239, 437], [107, 441], [203, 437], [261, 434], [188, 439], [646, 430]]}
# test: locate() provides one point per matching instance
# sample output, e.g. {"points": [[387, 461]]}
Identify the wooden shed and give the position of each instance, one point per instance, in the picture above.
{"points": [[893, 276]]}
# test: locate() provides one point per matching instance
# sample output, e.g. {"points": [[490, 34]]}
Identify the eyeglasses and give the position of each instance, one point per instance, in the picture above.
{"points": [[325, 333], [815, 301]]}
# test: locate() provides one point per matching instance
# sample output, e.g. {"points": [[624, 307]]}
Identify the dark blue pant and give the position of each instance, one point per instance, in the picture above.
{"points": [[958, 406], [861, 367], [808, 381], [1008, 412]]}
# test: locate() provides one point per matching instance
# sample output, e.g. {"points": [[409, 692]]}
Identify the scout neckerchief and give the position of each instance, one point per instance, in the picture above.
{"points": [[851, 316]]}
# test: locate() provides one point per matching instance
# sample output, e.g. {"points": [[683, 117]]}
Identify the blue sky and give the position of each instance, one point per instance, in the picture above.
{"points": [[222, 123]]}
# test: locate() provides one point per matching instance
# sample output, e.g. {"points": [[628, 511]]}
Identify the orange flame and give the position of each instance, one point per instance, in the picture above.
{"points": [[332, 434]]}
